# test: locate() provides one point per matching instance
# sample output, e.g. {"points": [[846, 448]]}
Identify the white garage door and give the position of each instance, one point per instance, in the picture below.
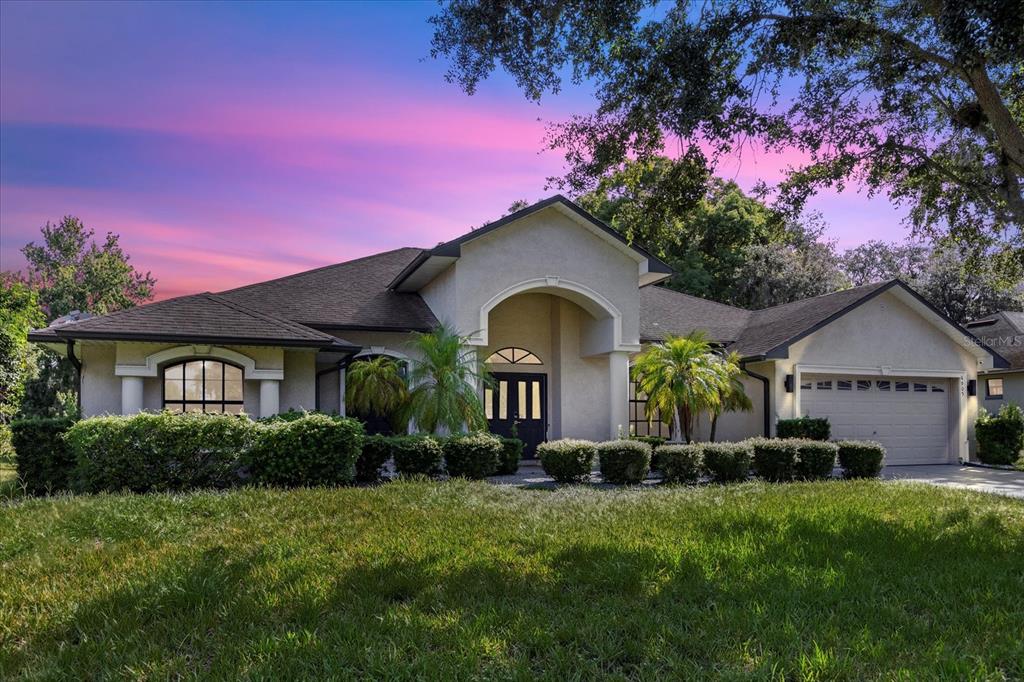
{"points": [[908, 415]]}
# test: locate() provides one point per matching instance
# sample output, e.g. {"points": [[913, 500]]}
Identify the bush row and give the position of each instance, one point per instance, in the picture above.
{"points": [[1001, 436]]}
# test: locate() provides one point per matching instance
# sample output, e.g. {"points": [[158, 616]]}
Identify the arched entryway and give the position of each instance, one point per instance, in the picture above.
{"points": [[516, 400]]}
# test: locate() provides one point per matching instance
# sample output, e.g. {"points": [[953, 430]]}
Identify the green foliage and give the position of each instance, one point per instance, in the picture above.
{"points": [[44, 461], [52, 391], [811, 428], [315, 449], [376, 387], [19, 314], [155, 452], [511, 453], [774, 458], [1000, 437], [445, 381], [726, 462], [375, 454], [680, 463], [815, 460], [624, 461], [473, 456], [567, 460], [861, 458], [417, 455]]}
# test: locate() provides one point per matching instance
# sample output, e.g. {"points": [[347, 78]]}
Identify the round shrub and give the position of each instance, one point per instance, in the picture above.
{"points": [[861, 458], [726, 462], [679, 463], [812, 428], [624, 461], [511, 453], [774, 458], [374, 455], [1001, 437], [314, 449], [417, 455], [567, 460], [815, 460], [43, 459], [474, 455]]}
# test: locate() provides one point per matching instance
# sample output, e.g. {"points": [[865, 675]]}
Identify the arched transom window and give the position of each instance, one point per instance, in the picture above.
{"points": [[203, 386], [513, 356]]}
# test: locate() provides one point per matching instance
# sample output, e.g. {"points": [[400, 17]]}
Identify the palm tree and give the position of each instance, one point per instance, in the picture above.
{"points": [[681, 378], [375, 386], [445, 380], [733, 397]]}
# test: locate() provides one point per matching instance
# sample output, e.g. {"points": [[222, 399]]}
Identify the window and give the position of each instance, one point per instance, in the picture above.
{"points": [[883, 385], [920, 388], [937, 389], [994, 388], [825, 385], [902, 386], [863, 385], [203, 386], [513, 356], [805, 385], [844, 385], [638, 423]]}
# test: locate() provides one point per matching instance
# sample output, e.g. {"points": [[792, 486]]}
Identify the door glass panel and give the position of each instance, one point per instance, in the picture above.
{"points": [[535, 410], [521, 409], [902, 386], [488, 406], [502, 400], [844, 385], [883, 385], [863, 385], [920, 388], [825, 385]]}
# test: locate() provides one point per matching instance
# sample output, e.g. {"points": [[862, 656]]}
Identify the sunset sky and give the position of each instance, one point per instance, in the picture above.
{"points": [[231, 143]]}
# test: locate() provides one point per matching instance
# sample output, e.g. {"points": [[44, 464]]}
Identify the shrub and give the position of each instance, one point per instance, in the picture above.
{"points": [[163, 451], [314, 449], [417, 455], [43, 460], [774, 458], [374, 455], [511, 453], [567, 460], [812, 428], [624, 461], [679, 463], [815, 459], [860, 458], [725, 462], [1000, 437], [474, 455], [653, 441]]}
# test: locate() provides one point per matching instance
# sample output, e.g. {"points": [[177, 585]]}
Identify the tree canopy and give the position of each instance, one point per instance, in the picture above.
{"points": [[922, 100]]}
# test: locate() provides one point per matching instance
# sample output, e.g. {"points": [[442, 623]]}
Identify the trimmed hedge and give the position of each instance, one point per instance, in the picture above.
{"points": [[726, 462], [472, 456], [314, 449], [774, 458], [511, 453], [417, 455], [153, 452], [624, 461], [811, 428], [567, 460], [815, 460], [1000, 437], [861, 458], [653, 441], [680, 463], [42, 458], [375, 454]]}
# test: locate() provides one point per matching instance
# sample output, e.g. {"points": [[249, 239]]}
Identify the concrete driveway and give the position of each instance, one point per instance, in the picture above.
{"points": [[998, 481]]}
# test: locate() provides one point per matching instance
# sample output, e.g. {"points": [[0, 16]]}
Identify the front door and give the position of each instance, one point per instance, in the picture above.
{"points": [[517, 405]]}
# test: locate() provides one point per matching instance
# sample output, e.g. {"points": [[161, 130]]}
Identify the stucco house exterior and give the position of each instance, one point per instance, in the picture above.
{"points": [[557, 303], [1004, 333]]}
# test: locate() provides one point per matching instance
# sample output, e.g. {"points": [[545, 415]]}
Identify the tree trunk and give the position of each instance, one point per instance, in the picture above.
{"points": [[714, 424], [677, 426], [1008, 133]]}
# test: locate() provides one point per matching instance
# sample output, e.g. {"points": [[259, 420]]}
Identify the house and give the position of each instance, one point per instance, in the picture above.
{"points": [[556, 302], [1004, 333]]}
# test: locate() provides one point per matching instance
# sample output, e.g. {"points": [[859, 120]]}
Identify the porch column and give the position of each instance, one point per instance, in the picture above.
{"points": [[269, 397], [341, 390], [131, 395], [618, 382]]}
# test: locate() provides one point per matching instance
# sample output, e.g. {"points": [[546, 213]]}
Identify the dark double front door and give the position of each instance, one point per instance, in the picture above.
{"points": [[517, 404]]}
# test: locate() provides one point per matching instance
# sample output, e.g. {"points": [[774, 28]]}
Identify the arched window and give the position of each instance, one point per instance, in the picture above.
{"points": [[513, 356], [203, 386]]}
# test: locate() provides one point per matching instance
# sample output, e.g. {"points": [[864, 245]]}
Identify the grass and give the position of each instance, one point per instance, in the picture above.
{"points": [[835, 580]]}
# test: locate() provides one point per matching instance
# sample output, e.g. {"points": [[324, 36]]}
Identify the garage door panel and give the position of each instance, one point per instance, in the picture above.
{"points": [[912, 424]]}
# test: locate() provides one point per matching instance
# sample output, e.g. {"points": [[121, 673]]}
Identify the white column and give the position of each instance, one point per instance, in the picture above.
{"points": [[618, 383], [341, 390], [131, 395], [269, 397]]}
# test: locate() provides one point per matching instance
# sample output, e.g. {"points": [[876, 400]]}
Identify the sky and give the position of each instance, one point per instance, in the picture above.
{"points": [[236, 142]]}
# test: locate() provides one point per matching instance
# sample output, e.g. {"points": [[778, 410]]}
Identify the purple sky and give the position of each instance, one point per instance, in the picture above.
{"points": [[230, 143]]}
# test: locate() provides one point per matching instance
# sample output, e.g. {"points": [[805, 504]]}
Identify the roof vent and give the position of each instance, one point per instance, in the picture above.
{"points": [[73, 316]]}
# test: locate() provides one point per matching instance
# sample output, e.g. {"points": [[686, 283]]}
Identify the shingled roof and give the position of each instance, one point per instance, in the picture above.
{"points": [[665, 312], [197, 318], [1004, 333]]}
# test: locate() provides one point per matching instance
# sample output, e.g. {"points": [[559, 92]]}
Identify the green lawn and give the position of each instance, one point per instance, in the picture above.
{"points": [[458, 580]]}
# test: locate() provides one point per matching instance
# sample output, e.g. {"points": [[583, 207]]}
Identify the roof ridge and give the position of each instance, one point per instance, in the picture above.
{"points": [[831, 293], [322, 267], [286, 323], [122, 311]]}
